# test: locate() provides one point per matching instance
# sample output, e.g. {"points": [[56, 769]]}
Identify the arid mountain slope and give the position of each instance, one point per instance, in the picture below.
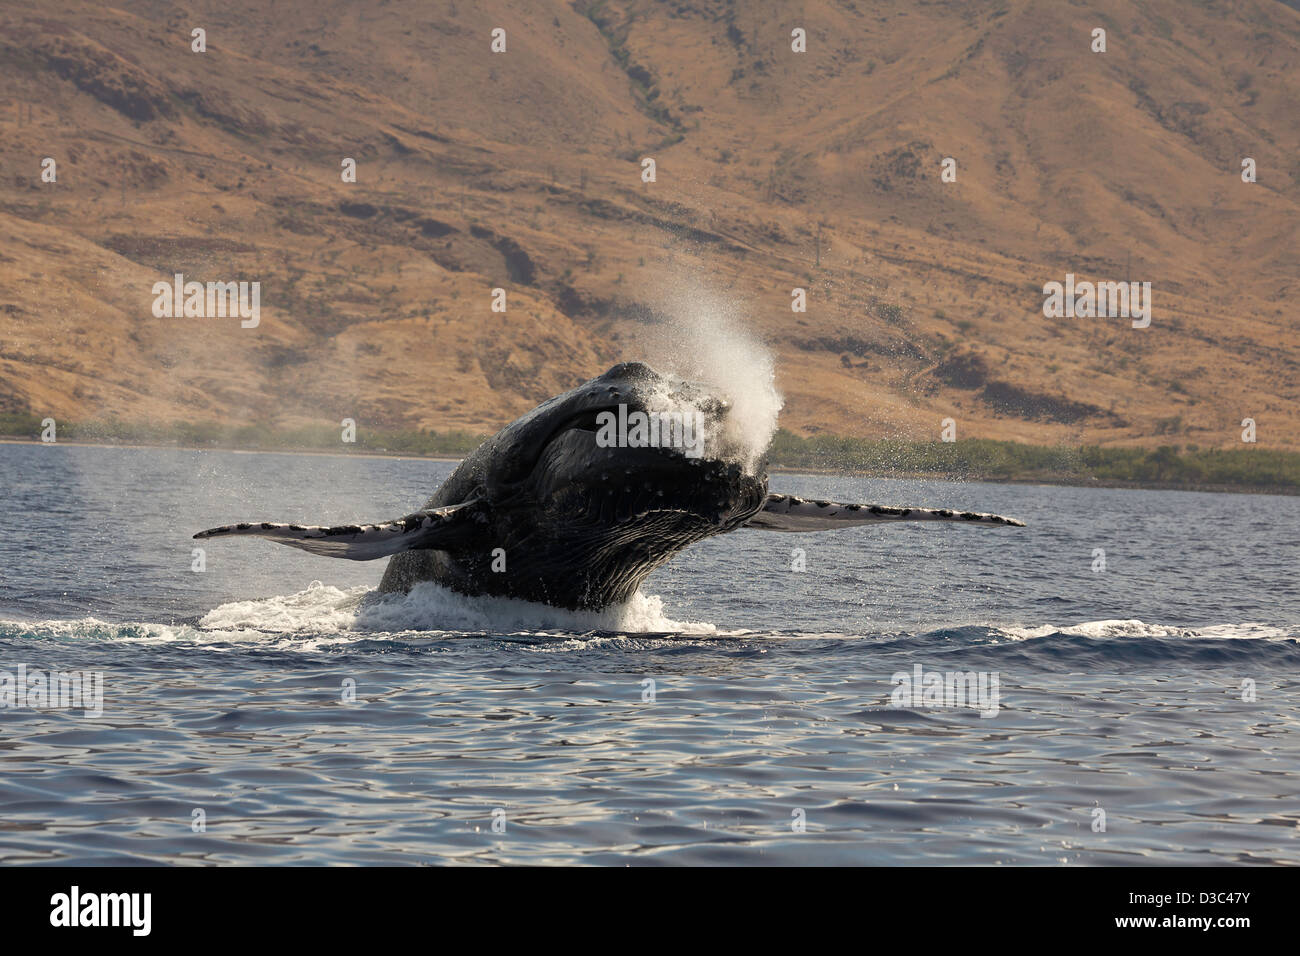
{"points": [[774, 170]]}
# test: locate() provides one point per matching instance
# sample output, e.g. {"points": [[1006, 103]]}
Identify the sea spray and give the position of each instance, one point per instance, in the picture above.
{"points": [[706, 341]]}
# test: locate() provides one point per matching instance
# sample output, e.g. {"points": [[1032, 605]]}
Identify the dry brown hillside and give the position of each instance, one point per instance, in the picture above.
{"points": [[775, 169]]}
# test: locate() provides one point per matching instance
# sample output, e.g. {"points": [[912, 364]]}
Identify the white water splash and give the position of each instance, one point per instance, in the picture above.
{"points": [[430, 605], [1135, 628], [318, 608], [707, 341], [431, 608], [323, 616]]}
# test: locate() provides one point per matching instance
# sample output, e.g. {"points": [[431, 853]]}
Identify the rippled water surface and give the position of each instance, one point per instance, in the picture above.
{"points": [[1120, 691]]}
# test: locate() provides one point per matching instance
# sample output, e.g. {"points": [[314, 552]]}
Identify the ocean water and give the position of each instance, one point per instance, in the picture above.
{"points": [[738, 712]]}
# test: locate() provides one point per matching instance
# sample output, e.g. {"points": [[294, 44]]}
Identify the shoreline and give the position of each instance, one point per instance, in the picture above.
{"points": [[1073, 481], [178, 446]]}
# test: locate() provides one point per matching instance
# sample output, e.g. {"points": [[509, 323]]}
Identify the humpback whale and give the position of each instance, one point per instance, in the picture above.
{"points": [[547, 511]]}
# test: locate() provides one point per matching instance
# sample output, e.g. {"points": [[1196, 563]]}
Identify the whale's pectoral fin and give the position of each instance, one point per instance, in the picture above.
{"points": [[436, 528], [788, 513]]}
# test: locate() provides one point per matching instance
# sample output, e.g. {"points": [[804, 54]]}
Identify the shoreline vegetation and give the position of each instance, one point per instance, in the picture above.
{"points": [[1177, 467]]}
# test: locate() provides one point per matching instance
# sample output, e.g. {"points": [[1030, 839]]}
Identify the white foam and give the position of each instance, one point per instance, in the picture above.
{"points": [[322, 615], [430, 609], [1244, 632], [318, 608], [1133, 627], [93, 629], [429, 605]]}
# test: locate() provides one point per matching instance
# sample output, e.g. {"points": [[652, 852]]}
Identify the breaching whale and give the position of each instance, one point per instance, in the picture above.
{"points": [[546, 511]]}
